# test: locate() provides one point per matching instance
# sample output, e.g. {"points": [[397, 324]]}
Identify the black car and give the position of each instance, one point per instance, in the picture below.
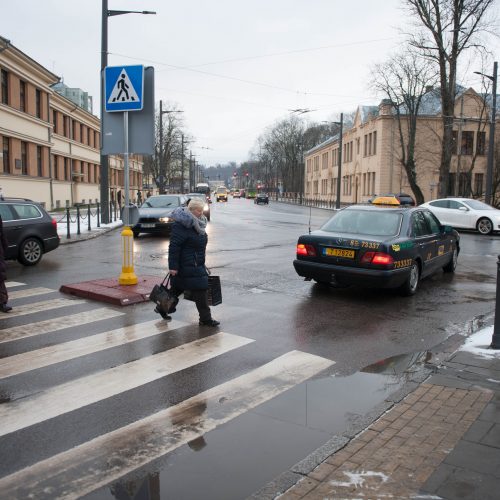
{"points": [[378, 246], [206, 208], [29, 230], [261, 198], [155, 211]]}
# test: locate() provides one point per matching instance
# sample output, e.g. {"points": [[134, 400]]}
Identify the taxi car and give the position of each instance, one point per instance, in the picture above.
{"points": [[378, 246], [221, 194]]}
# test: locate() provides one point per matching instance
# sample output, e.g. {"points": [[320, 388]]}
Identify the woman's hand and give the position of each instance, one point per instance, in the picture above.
{"points": [[173, 272]]}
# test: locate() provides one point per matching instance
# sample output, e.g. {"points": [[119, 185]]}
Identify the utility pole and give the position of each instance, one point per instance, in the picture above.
{"points": [[339, 175], [182, 163]]}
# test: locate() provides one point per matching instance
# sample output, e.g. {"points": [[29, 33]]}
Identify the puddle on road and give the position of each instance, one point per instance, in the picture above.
{"points": [[238, 458]]}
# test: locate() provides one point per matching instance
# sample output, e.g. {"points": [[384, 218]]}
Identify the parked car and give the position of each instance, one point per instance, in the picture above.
{"points": [[261, 198], [206, 208], [29, 230], [221, 194], [378, 246], [154, 214], [465, 213]]}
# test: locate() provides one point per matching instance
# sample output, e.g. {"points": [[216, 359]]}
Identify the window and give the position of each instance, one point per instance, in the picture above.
{"points": [[467, 142], [39, 161], [27, 211], [432, 222], [309, 165], [365, 150], [22, 95], [75, 129], [24, 158], [481, 143], [419, 224], [316, 163], [38, 103], [324, 161], [81, 132], [478, 184], [6, 155], [66, 125], [54, 120], [374, 150], [5, 86]]}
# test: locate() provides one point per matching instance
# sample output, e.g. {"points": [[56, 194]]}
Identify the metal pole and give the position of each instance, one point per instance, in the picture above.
{"points": [[495, 341], [104, 180], [339, 175], [491, 146], [182, 163], [160, 166], [126, 170]]}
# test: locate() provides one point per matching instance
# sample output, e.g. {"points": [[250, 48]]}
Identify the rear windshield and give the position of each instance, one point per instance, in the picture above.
{"points": [[374, 223], [162, 202], [221, 190]]}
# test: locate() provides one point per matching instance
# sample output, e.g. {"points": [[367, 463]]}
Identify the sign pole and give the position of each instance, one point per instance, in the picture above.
{"points": [[127, 276]]}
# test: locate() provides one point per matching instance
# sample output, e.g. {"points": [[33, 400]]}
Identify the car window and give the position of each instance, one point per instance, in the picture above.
{"points": [[419, 224], [478, 205], [161, 202], [455, 204], [373, 223], [440, 203], [26, 211], [432, 222], [5, 212]]}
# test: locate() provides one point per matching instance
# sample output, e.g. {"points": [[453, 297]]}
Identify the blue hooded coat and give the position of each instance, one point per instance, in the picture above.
{"points": [[186, 253]]}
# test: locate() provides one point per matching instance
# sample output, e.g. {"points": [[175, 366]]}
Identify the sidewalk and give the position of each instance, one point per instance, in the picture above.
{"points": [[441, 441]]}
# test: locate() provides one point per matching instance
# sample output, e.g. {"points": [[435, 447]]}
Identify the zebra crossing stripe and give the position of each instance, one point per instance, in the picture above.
{"points": [[84, 391], [103, 460], [55, 324], [45, 305], [11, 284], [29, 292], [24, 362]]}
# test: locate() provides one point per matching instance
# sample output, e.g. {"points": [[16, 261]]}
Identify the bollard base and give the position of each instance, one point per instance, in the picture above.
{"points": [[127, 278]]}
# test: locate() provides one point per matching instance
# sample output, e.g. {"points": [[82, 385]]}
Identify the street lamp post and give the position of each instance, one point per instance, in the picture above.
{"points": [[104, 178], [162, 174], [491, 143], [339, 174]]}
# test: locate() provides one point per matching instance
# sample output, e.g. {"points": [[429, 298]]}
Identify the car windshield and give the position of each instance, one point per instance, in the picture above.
{"points": [[374, 223], [477, 205], [161, 202]]}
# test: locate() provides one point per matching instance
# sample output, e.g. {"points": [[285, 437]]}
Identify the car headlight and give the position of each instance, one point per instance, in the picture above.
{"points": [[164, 219]]}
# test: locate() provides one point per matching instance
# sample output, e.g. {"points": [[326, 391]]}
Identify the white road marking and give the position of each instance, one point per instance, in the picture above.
{"points": [[11, 284], [103, 460], [84, 391], [29, 292], [27, 361], [55, 324], [45, 305]]}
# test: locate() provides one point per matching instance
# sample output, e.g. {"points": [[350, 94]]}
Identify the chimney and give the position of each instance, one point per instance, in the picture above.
{"points": [[385, 107]]}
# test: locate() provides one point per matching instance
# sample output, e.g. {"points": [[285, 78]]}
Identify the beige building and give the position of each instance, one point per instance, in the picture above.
{"points": [[50, 146], [371, 153]]}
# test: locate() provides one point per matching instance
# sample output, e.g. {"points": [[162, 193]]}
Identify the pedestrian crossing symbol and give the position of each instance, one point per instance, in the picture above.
{"points": [[124, 88]]}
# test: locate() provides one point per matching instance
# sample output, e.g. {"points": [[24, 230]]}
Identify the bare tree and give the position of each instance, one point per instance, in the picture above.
{"points": [[448, 28], [404, 80]]}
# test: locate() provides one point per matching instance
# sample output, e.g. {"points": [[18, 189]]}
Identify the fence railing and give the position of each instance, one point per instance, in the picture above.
{"points": [[299, 199]]}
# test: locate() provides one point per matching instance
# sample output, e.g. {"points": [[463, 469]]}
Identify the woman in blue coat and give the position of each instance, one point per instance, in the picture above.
{"points": [[186, 256]]}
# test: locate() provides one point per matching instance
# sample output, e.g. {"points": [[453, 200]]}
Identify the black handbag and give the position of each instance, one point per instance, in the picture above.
{"points": [[163, 296], [214, 291]]}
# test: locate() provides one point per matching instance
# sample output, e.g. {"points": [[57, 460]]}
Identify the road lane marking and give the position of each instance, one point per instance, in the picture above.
{"points": [[55, 324], [11, 284], [29, 292], [45, 305], [105, 459], [84, 391], [27, 361]]}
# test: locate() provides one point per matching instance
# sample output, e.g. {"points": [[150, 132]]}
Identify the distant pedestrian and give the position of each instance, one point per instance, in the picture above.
{"points": [[119, 197], [1, 194], [4, 296], [148, 194], [139, 197]]}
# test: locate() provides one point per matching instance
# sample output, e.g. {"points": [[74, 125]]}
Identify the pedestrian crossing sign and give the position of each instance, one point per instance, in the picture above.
{"points": [[124, 86]]}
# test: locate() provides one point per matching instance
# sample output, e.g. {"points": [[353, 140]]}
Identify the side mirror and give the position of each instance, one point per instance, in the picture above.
{"points": [[463, 209]]}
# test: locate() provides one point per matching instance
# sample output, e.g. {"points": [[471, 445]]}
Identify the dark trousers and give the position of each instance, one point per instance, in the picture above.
{"points": [[200, 298], [4, 296]]}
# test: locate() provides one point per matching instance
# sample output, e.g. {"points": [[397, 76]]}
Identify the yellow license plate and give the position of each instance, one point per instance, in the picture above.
{"points": [[340, 252]]}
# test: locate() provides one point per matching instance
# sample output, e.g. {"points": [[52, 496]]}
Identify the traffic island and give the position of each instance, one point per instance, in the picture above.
{"points": [[110, 291]]}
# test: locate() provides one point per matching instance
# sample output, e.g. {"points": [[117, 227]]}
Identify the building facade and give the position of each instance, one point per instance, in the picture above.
{"points": [[49, 145], [371, 153]]}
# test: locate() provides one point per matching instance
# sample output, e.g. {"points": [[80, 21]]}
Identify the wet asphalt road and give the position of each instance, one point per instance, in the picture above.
{"points": [[265, 303]]}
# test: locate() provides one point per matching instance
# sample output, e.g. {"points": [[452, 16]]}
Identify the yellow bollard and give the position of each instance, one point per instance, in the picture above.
{"points": [[127, 276]]}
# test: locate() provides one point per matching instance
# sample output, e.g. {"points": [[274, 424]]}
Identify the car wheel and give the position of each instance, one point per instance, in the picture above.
{"points": [[136, 234], [452, 265], [30, 252], [410, 286], [484, 226]]}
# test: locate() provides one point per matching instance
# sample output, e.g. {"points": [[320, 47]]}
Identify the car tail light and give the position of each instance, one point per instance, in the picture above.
{"points": [[379, 258], [54, 223], [308, 250]]}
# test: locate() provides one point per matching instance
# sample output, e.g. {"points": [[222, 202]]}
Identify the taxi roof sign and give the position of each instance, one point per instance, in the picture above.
{"points": [[386, 200]]}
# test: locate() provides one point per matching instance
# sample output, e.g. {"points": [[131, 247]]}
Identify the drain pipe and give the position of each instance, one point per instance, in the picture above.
{"points": [[495, 341]]}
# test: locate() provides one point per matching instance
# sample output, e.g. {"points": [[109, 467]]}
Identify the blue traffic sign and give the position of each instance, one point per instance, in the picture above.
{"points": [[124, 86]]}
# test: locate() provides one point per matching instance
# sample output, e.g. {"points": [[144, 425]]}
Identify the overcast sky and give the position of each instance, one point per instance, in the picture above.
{"points": [[234, 67]]}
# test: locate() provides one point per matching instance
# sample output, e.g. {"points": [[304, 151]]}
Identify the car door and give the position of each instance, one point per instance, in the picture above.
{"points": [[440, 208], [443, 247], [10, 230], [425, 241], [458, 214]]}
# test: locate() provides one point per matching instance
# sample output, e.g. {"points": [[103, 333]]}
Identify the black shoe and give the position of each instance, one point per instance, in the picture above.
{"points": [[210, 322], [162, 314], [5, 308]]}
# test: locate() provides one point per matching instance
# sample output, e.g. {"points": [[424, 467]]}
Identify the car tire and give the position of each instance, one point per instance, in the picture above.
{"points": [[452, 264], [484, 226], [409, 287], [30, 252], [136, 234]]}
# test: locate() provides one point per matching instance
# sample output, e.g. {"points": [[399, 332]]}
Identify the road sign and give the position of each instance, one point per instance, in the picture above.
{"points": [[124, 86]]}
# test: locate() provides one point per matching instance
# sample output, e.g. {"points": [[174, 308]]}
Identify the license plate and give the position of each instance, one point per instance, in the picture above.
{"points": [[148, 225], [339, 252]]}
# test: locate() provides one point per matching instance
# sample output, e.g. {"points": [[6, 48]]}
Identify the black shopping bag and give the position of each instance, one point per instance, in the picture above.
{"points": [[163, 296], [214, 291]]}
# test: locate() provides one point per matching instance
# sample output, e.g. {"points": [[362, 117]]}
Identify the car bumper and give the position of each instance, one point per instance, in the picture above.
{"points": [[329, 273], [50, 244]]}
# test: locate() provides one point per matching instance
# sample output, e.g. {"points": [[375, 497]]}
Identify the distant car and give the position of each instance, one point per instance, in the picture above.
{"points": [[465, 213], [221, 194], [206, 208], [261, 198], [378, 246], [236, 194], [154, 214], [403, 198], [29, 230]]}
